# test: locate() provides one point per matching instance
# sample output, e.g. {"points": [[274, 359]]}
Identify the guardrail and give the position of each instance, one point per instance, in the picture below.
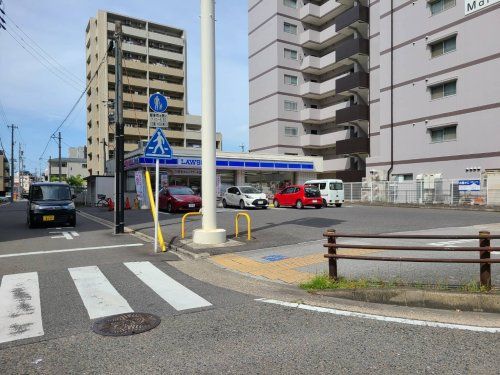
{"points": [[484, 250], [183, 222], [249, 224]]}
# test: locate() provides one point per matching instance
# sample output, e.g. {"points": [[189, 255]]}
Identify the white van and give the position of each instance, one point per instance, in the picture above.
{"points": [[332, 191]]}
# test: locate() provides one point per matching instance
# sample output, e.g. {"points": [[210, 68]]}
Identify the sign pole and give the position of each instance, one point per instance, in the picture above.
{"points": [[157, 195]]}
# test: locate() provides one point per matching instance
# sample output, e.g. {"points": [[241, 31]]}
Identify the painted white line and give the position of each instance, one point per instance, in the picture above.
{"points": [[382, 318], [98, 295], [20, 310], [70, 250], [174, 293], [74, 234]]}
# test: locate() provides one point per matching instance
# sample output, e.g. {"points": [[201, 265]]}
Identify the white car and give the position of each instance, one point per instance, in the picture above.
{"points": [[243, 197]]}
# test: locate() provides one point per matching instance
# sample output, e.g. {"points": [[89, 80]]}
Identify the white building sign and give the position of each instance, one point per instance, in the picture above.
{"points": [[472, 6], [158, 120]]}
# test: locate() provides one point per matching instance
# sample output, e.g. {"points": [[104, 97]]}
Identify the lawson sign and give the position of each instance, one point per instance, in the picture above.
{"points": [[472, 6], [469, 185]]}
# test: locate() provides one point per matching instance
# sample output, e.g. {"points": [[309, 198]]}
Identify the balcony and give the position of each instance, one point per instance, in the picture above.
{"points": [[135, 114], [354, 82], [356, 112], [313, 39], [166, 54], [316, 90], [320, 14], [165, 86], [353, 146], [318, 116], [353, 49], [333, 165], [351, 175], [357, 17], [322, 140]]}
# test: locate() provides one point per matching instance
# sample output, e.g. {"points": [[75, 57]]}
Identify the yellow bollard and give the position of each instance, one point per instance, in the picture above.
{"points": [[183, 222], [153, 211], [249, 224]]}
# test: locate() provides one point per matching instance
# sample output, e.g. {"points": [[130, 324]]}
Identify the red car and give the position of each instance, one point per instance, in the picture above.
{"points": [[179, 198], [299, 196]]}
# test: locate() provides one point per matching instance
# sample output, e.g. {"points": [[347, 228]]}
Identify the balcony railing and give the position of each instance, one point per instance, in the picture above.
{"points": [[353, 81], [357, 112], [320, 115], [320, 14], [353, 146], [352, 16], [351, 48], [350, 175], [322, 140], [317, 90]]}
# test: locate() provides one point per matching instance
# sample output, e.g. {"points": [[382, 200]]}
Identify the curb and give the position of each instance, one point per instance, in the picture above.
{"points": [[432, 207], [475, 302]]}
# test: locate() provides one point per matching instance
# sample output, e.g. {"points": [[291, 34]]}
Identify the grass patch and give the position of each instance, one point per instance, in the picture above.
{"points": [[324, 282]]}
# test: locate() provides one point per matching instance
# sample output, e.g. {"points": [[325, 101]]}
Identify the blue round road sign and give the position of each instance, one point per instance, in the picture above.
{"points": [[158, 103]]}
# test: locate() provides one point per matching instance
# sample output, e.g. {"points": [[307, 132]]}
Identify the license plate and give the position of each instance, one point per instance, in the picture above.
{"points": [[48, 218], [260, 202], [315, 201], [336, 201], [191, 205]]}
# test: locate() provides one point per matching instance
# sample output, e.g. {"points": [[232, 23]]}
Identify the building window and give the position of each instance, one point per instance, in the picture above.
{"points": [[443, 90], [289, 28], [290, 3], [291, 80], [291, 132], [441, 5], [290, 106], [290, 54], [444, 46], [445, 134], [84, 165]]}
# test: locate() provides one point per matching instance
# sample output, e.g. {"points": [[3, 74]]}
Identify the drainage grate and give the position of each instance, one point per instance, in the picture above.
{"points": [[125, 324]]}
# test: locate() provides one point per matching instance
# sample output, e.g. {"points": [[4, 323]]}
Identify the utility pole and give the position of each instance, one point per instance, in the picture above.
{"points": [[104, 144], [19, 168], [12, 127], [119, 130], [60, 161], [50, 167]]}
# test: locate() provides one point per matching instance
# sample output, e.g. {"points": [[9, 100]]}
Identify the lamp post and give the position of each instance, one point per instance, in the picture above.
{"points": [[209, 234]]}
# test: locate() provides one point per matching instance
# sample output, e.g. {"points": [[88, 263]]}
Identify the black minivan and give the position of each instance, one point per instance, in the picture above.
{"points": [[50, 203]]}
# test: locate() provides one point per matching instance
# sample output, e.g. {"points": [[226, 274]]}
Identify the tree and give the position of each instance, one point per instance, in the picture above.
{"points": [[76, 181]]}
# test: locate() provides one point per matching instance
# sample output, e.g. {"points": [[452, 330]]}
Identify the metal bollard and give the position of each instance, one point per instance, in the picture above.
{"points": [[485, 268], [332, 262]]}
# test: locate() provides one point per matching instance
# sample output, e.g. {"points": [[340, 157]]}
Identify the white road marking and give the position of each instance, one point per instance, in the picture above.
{"points": [[381, 317], [20, 310], [177, 295], [74, 234], [70, 250], [98, 295], [64, 234]]}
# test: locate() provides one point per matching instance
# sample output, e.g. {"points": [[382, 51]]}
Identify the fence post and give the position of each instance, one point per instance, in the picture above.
{"points": [[351, 192], [485, 268], [371, 191], [332, 262], [451, 201]]}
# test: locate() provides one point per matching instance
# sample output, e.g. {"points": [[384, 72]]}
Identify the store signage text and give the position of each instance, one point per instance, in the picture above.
{"points": [[472, 6], [190, 162]]}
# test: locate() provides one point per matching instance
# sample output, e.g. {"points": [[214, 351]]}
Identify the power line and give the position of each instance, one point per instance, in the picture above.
{"points": [[75, 105], [63, 69], [61, 77]]}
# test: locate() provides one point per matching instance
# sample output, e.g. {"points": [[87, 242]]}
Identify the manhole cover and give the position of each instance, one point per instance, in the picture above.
{"points": [[125, 324]]}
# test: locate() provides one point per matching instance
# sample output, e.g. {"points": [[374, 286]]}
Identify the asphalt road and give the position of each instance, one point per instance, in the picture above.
{"points": [[48, 301]]}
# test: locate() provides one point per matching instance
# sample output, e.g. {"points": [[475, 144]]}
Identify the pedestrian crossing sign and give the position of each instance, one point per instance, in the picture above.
{"points": [[158, 146]]}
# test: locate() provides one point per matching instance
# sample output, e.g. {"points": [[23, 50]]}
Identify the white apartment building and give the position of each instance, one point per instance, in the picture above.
{"points": [[154, 60], [309, 82]]}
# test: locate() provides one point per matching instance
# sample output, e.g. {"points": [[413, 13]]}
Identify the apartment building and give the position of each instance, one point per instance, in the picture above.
{"points": [[154, 60], [309, 81], [4, 174], [434, 88]]}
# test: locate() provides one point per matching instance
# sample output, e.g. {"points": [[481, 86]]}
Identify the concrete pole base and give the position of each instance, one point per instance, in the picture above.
{"points": [[209, 237]]}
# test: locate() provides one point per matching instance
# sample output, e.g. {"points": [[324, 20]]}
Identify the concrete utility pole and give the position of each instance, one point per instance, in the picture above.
{"points": [[104, 156], [50, 167], [12, 127], [60, 161], [119, 141], [19, 168], [209, 234]]}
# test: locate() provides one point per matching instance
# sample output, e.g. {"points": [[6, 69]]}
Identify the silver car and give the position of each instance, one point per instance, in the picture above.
{"points": [[244, 197]]}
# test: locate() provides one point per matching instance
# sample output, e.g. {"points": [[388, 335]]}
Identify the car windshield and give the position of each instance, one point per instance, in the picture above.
{"points": [[312, 191], [249, 190], [180, 191], [51, 193]]}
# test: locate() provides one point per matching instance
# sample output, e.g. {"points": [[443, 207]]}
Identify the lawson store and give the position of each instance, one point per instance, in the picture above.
{"points": [[268, 173]]}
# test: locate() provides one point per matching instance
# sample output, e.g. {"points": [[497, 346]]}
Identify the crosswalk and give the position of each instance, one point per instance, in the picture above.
{"points": [[21, 305]]}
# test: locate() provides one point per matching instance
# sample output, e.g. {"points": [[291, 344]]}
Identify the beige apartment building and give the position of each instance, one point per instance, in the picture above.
{"points": [[4, 174], [309, 82], [154, 60]]}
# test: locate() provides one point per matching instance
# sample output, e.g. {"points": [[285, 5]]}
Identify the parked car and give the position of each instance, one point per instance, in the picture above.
{"points": [[244, 196], [178, 198], [299, 196], [50, 203], [332, 191]]}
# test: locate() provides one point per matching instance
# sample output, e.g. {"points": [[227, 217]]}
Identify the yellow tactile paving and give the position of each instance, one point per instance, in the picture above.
{"points": [[283, 270]]}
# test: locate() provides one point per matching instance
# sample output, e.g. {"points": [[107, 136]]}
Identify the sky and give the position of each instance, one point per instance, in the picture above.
{"points": [[37, 101]]}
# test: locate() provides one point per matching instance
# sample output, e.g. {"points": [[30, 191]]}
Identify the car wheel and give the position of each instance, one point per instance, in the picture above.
{"points": [[299, 204], [31, 225], [276, 203], [170, 209], [224, 203], [242, 204], [338, 204], [324, 203], [318, 206], [72, 223]]}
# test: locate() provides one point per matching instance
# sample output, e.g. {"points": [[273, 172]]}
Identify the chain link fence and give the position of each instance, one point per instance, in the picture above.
{"points": [[416, 192]]}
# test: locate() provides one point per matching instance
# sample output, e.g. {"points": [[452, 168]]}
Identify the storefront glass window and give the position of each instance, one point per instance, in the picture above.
{"points": [[269, 182]]}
